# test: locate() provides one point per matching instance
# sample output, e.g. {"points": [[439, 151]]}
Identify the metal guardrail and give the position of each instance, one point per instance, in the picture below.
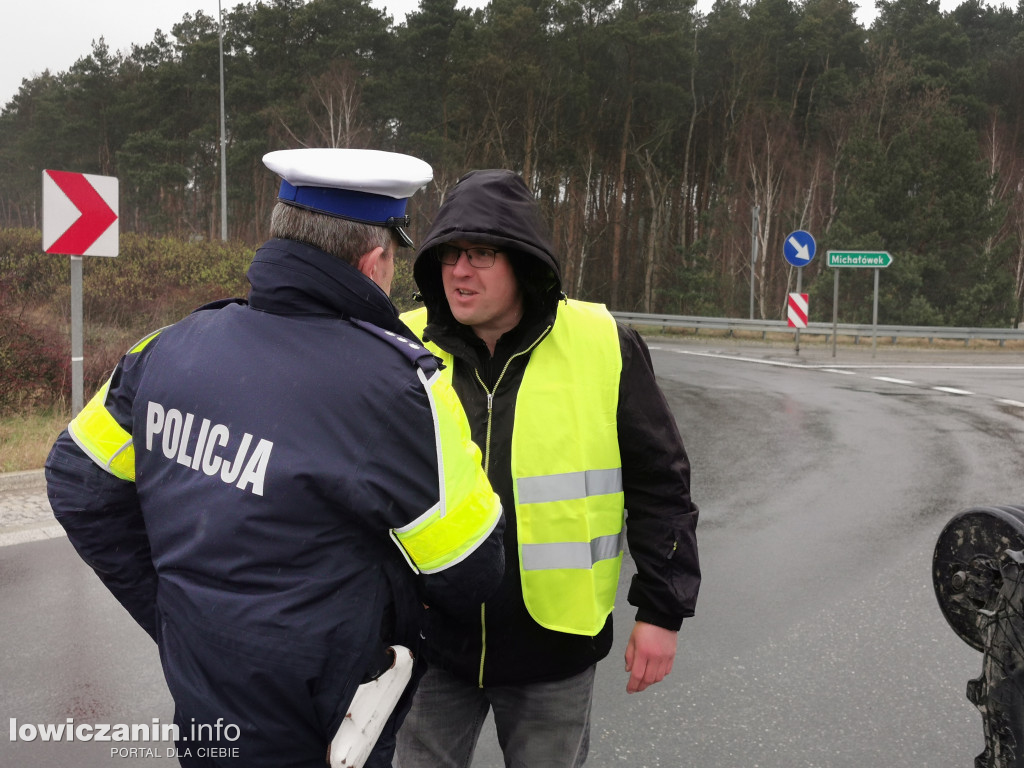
{"points": [[845, 330]]}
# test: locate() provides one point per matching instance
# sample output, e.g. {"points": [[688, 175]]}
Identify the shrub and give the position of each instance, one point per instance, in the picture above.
{"points": [[33, 373], [151, 283]]}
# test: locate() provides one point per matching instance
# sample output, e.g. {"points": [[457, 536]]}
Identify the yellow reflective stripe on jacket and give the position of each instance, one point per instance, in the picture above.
{"points": [[102, 439], [144, 342], [468, 508], [568, 480]]}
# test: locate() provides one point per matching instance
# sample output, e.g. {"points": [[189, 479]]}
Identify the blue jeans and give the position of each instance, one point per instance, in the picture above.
{"points": [[542, 725]]}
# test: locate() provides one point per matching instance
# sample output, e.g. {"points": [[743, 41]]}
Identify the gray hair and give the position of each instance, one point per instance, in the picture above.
{"points": [[348, 240]]}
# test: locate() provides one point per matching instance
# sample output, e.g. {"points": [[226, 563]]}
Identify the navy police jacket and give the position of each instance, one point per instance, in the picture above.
{"points": [[274, 489]]}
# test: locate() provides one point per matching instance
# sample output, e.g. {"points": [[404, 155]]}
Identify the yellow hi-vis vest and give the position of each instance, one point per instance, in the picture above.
{"points": [[566, 469]]}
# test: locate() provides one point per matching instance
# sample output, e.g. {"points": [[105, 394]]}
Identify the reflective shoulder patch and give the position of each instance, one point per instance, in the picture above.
{"points": [[142, 343], [102, 439]]}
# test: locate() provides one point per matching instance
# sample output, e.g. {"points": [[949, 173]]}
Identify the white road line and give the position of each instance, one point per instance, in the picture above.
{"points": [[894, 381], [850, 370], [845, 368], [937, 366], [778, 363], [832, 367]]}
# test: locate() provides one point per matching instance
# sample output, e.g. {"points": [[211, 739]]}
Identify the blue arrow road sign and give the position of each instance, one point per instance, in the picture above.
{"points": [[798, 248]]}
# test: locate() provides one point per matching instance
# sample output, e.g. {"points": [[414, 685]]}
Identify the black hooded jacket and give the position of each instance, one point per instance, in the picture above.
{"points": [[506, 646]]}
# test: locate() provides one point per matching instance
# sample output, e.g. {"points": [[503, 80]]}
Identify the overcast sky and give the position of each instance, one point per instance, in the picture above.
{"points": [[36, 35]]}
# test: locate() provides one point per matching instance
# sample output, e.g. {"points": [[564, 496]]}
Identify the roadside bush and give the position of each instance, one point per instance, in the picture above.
{"points": [[33, 372], [151, 283], [154, 281], [27, 275]]}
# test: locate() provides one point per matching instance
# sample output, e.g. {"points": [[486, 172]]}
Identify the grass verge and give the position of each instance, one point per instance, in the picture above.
{"points": [[25, 439]]}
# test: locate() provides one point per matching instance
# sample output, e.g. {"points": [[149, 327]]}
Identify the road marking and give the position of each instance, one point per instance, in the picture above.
{"points": [[851, 370], [719, 356], [928, 366], [845, 368]]}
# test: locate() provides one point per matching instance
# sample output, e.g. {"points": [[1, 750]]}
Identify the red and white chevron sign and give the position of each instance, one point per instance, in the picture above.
{"points": [[798, 310], [79, 214]]}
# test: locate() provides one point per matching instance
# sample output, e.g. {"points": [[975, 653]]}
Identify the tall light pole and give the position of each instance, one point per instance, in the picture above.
{"points": [[755, 215], [223, 133]]}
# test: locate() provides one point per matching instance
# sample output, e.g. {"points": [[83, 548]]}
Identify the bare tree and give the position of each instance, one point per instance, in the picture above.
{"points": [[1006, 168], [332, 108]]}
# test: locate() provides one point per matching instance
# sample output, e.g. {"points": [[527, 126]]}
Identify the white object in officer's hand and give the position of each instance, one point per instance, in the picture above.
{"points": [[369, 711]]}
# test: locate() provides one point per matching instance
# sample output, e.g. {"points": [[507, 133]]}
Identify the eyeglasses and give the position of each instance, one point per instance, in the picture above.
{"points": [[481, 258]]}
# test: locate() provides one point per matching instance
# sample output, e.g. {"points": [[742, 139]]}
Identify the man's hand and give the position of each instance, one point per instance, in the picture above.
{"points": [[649, 655]]}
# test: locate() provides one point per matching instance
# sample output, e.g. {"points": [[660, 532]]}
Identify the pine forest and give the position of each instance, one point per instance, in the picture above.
{"points": [[664, 145]]}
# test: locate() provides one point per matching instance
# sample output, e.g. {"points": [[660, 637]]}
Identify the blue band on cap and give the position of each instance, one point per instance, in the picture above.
{"points": [[358, 206]]}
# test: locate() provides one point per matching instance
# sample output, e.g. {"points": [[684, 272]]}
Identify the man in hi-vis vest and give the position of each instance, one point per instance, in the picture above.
{"points": [[574, 432], [274, 488]]}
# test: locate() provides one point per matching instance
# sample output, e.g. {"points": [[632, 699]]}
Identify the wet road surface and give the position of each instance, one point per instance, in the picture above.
{"points": [[823, 484]]}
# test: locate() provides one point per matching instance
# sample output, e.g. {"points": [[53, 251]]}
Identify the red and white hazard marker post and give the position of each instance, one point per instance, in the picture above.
{"points": [[798, 310], [79, 219], [797, 314]]}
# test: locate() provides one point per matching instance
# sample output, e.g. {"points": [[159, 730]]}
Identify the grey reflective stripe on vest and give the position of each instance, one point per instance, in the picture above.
{"points": [[569, 485], [571, 554]]}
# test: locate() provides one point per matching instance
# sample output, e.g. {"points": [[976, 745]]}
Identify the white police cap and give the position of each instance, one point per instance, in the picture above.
{"points": [[365, 185]]}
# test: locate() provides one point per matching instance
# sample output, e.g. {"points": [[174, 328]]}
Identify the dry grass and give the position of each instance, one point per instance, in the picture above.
{"points": [[25, 440]]}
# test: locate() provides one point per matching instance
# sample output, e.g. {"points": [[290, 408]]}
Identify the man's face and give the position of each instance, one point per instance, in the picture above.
{"points": [[486, 299]]}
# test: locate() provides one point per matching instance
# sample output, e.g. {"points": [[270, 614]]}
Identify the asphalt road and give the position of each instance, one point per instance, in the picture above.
{"points": [[823, 484]]}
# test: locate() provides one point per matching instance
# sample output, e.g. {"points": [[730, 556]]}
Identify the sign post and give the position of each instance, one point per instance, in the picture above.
{"points": [[753, 254], [798, 250], [863, 259], [79, 219]]}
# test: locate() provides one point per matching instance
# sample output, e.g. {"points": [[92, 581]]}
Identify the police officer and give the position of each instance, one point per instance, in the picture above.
{"points": [[274, 488]]}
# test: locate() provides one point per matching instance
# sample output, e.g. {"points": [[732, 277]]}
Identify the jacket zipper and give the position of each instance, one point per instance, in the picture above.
{"points": [[487, 463]]}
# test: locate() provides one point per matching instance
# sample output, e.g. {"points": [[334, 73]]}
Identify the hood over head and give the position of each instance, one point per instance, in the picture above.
{"points": [[491, 207]]}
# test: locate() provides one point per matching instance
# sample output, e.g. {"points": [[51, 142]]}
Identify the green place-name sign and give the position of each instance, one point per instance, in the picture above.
{"points": [[876, 259]]}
